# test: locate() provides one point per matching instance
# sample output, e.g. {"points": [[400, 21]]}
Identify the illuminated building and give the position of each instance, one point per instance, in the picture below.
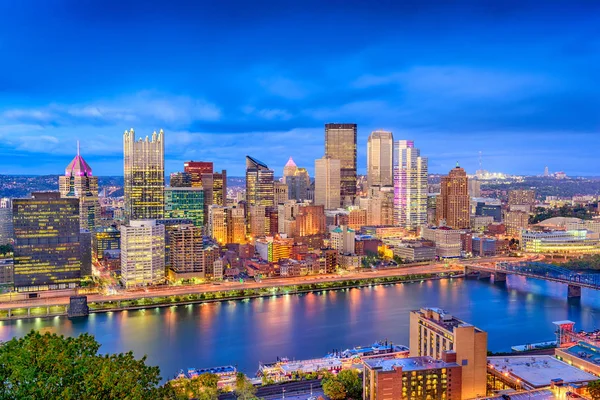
{"points": [[410, 186], [380, 209], [6, 222], [357, 218], [453, 203], [480, 222], [380, 147], [274, 249], [447, 241], [484, 247], [280, 192], [180, 179], [7, 275], [171, 225], [272, 220], [220, 188], [327, 182], [257, 221], [227, 224], [142, 253], [289, 169], [105, 238], [489, 210], [561, 242], [259, 183], [414, 251], [181, 202], [298, 185], [342, 239], [515, 222], [434, 332], [413, 378], [196, 169], [78, 182], [520, 197], [218, 267], [47, 251], [340, 144], [144, 176], [310, 221], [186, 246]]}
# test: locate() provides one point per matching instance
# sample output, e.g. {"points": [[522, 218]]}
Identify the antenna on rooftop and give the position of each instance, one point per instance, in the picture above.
{"points": [[78, 147]]}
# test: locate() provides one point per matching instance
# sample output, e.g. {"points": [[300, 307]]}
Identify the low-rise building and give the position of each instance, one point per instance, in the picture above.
{"points": [[415, 251], [561, 242], [484, 246], [448, 242]]}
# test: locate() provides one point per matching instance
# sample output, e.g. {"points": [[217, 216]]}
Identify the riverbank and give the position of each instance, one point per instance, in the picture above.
{"points": [[215, 295]]}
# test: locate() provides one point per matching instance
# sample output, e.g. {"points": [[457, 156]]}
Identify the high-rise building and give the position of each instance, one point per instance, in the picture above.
{"points": [[342, 239], [6, 222], [474, 187], [186, 246], [327, 182], [220, 188], [454, 202], [310, 221], [380, 169], [180, 179], [516, 222], [257, 221], [196, 169], [380, 210], [340, 144], [434, 332], [171, 225], [47, 250], [227, 224], [410, 185], [259, 183], [521, 197], [144, 176], [280, 190], [289, 169], [298, 185], [185, 202], [79, 183], [142, 253], [105, 238]]}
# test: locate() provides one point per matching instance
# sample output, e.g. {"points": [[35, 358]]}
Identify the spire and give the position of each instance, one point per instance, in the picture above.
{"points": [[457, 166], [78, 148], [78, 166], [290, 163]]}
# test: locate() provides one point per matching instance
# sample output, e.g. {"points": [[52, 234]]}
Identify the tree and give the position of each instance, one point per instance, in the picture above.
{"points": [[244, 389], [594, 389], [53, 367], [334, 389], [352, 383], [202, 387]]}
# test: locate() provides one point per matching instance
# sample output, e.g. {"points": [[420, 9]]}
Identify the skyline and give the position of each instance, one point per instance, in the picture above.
{"points": [[514, 82]]}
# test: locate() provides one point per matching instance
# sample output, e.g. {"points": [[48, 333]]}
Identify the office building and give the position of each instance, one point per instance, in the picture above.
{"points": [[474, 187], [380, 169], [310, 221], [412, 378], [227, 224], [180, 179], [257, 221], [410, 185], [289, 169], [185, 202], [186, 246], [85, 251], [6, 222], [328, 182], [340, 144], [342, 239], [357, 218], [515, 222], [280, 190], [7, 275], [171, 225], [448, 242], [434, 332], [572, 242], [380, 208], [196, 169], [144, 176], [142, 253], [219, 188], [489, 210], [47, 250], [79, 183], [105, 238], [298, 185], [453, 203], [521, 197], [259, 184], [415, 251], [484, 246]]}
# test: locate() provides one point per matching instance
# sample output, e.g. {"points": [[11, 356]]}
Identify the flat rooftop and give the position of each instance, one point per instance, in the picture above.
{"points": [[442, 318], [539, 371], [310, 365], [408, 364], [585, 351]]}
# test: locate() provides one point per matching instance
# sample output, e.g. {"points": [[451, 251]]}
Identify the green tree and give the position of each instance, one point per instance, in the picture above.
{"points": [[244, 389], [594, 389], [334, 389], [352, 383], [53, 367]]}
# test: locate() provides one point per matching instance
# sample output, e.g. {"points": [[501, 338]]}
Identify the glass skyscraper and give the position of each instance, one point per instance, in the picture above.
{"points": [[259, 184], [186, 203], [340, 144], [410, 185], [380, 147]]}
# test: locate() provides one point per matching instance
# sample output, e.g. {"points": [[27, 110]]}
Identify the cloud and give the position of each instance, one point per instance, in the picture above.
{"points": [[268, 113], [284, 87]]}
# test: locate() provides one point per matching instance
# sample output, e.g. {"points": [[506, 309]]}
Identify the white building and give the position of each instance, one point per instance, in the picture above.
{"points": [[380, 147], [142, 253], [447, 241], [410, 185], [327, 182], [342, 239]]}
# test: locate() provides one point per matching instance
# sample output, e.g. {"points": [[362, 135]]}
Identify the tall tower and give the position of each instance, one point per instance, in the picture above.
{"points": [[327, 182], [79, 183], [453, 202], [410, 185], [259, 184], [380, 147], [340, 144], [144, 176], [289, 169]]}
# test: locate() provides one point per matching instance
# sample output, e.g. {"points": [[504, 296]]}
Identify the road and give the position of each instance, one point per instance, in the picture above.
{"points": [[457, 266]]}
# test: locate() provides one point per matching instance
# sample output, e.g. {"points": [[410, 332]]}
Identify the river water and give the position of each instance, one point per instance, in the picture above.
{"points": [[245, 332]]}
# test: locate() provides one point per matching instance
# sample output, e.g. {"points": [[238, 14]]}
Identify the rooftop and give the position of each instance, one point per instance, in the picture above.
{"points": [[586, 352], [539, 371], [442, 318], [407, 364]]}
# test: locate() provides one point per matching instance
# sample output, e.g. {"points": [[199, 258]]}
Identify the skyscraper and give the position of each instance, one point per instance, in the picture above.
{"points": [[220, 188], [47, 247], [142, 253], [281, 192], [259, 183], [144, 176], [380, 148], [6, 222], [327, 182], [340, 144], [186, 252], [298, 185], [79, 183], [182, 202], [453, 203], [410, 185], [289, 169], [196, 169]]}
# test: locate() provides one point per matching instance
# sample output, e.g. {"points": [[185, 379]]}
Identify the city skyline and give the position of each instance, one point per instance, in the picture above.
{"points": [[525, 101]]}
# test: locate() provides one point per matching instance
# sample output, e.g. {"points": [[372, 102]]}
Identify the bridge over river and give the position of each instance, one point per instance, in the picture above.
{"points": [[538, 270]]}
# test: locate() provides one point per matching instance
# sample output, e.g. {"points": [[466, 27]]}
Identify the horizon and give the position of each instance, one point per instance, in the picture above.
{"points": [[229, 79]]}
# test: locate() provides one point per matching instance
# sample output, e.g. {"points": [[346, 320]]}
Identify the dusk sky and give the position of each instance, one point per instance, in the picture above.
{"points": [[520, 83]]}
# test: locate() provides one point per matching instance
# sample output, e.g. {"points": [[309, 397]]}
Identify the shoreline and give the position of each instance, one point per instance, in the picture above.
{"points": [[243, 294]]}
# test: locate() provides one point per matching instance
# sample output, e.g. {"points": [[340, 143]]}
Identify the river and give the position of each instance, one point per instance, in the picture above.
{"points": [[303, 326]]}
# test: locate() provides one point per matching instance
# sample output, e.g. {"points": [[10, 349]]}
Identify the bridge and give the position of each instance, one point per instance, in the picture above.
{"points": [[538, 270]]}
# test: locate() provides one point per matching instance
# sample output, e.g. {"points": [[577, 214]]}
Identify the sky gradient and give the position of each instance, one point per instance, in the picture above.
{"points": [[518, 81]]}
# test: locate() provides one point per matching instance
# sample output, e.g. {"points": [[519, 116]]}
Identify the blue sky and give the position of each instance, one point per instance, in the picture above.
{"points": [[518, 81]]}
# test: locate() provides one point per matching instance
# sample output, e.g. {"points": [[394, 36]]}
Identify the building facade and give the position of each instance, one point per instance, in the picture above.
{"points": [[410, 186], [453, 203], [328, 182], [6, 222], [196, 169], [181, 202], [340, 144], [259, 183], [142, 253], [380, 168], [144, 176]]}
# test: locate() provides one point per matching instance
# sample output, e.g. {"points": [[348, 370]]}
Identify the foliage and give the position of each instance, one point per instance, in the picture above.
{"points": [[244, 389], [334, 389], [585, 263], [594, 389], [6, 249], [202, 387], [52, 367], [566, 210], [352, 383]]}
